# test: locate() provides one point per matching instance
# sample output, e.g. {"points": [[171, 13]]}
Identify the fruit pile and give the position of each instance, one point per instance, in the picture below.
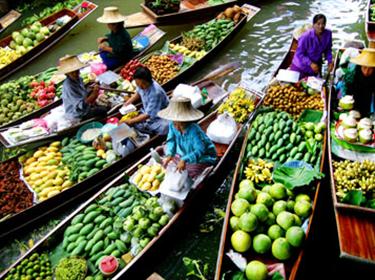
{"points": [[162, 67], [27, 38], [123, 219], [313, 130], [14, 194], [161, 7], [292, 100], [232, 13], [211, 33], [275, 136], [35, 267], [239, 105], [354, 129], [7, 56], [149, 178], [259, 170], [268, 219], [354, 175], [45, 173], [128, 70], [185, 51], [43, 92]]}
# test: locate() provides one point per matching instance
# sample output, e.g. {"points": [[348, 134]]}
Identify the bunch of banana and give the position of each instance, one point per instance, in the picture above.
{"points": [[259, 170], [185, 51], [7, 56], [129, 116]]}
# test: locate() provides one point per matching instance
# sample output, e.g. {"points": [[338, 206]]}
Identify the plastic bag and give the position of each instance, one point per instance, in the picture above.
{"points": [[347, 54], [193, 93], [223, 129], [174, 180]]}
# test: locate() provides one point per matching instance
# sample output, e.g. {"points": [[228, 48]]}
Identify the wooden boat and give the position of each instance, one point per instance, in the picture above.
{"points": [[199, 63], [370, 24], [8, 19], [37, 211], [55, 236], [190, 10], [352, 222], [340, 206], [154, 38], [224, 264], [76, 17]]}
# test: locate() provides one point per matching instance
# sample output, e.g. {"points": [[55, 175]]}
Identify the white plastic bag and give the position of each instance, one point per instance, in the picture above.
{"points": [[347, 54], [174, 180], [223, 129], [193, 93]]}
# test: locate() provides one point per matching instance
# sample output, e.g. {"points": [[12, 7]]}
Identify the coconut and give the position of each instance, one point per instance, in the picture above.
{"points": [[365, 136], [349, 122], [355, 114], [343, 116], [365, 123], [350, 135], [347, 102]]}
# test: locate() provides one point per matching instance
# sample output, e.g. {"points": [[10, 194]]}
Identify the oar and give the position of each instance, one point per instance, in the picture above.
{"points": [[221, 71]]}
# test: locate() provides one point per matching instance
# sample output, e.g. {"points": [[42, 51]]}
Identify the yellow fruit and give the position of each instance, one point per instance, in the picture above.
{"points": [[61, 173], [145, 169], [156, 183], [45, 191], [156, 168], [42, 198], [47, 184], [52, 174], [38, 154], [100, 153], [56, 144], [34, 164], [58, 181], [53, 162], [52, 149], [30, 160], [38, 183], [53, 193], [150, 178], [146, 186], [67, 184], [137, 178], [34, 176]]}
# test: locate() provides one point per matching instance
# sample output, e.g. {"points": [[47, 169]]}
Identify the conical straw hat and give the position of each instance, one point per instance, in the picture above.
{"points": [[69, 64], [180, 110], [366, 58], [111, 15]]}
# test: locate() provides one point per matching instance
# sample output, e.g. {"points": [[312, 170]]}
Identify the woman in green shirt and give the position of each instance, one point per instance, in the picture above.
{"points": [[116, 47]]}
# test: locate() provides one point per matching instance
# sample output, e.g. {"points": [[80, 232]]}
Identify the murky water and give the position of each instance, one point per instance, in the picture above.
{"points": [[260, 47]]}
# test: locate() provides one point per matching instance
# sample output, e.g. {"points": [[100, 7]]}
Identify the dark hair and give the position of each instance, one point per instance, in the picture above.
{"points": [[143, 73], [318, 17]]}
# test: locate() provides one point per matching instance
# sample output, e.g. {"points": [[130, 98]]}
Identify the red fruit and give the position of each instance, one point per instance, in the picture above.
{"points": [[33, 84], [51, 88], [42, 83], [42, 103], [50, 95], [51, 83]]}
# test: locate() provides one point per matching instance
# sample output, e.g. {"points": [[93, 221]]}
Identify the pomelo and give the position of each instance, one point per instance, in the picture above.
{"points": [[281, 249], [261, 243], [241, 241], [239, 206], [248, 222], [295, 236], [256, 270]]}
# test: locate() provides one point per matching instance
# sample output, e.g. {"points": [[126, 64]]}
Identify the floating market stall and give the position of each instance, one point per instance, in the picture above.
{"points": [[119, 225], [370, 23]]}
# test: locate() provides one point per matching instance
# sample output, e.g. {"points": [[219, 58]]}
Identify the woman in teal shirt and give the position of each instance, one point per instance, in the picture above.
{"points": [[116, 48], [187, 144]]}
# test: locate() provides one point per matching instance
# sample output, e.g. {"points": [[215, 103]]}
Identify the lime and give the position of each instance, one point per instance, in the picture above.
{"points": [[256, 270], [297, 220], [247, 192], [281, 249], [246, 183], [260, 211], [262, 243], [277, 191], [275, 231], [271, 219], [279, 207], [264, 198], [241, 241], [248, 222], [302, 208], [234, 223], [266, 189], [303, 196], [295, 236], [239, 206], [285, 220], [290, 205]]}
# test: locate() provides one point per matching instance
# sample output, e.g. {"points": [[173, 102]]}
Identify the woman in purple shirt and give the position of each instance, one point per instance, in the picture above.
{"points": [[312, 45]]}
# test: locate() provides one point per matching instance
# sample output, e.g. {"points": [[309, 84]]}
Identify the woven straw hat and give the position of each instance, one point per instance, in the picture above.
{"points": [[69, 64], [180, 110], [111, 15], [366, 58]]}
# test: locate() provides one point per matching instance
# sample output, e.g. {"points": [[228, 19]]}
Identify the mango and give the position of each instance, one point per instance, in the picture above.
{"points": [[38, 154], [56, 144], [53, 193]]}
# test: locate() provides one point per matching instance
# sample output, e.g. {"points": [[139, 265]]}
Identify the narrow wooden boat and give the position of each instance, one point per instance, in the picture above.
{"points": [[198, 64], [76, 18], [21, 219], [332, 103], [370, 23], [8, 19], [292, 265], [54, 238], [154, 39], [190, 10]]}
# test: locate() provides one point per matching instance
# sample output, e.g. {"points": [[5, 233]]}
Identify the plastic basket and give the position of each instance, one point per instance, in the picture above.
{"points": [[86, 127]]}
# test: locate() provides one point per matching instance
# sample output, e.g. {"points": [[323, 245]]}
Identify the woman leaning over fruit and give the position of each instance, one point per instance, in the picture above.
{"points": [[116, 47]]}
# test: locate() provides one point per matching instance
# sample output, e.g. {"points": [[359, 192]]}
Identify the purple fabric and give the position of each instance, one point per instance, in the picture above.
{"points": [[311, 49]]}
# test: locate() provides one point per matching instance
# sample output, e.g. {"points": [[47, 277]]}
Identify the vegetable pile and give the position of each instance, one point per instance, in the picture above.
{"points": [[71, 269], [292, 100], [355, 182], [162, 67], [161, 7], [35, 267], [239, 105], [275, 136], [14, 194]]}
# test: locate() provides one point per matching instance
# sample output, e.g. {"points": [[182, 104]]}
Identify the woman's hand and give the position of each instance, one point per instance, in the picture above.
{"points": [[167, 160], [181, 166], [315, 67]]}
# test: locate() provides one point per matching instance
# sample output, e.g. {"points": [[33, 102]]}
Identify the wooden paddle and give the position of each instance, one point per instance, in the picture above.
{"points": [[221, 71]]}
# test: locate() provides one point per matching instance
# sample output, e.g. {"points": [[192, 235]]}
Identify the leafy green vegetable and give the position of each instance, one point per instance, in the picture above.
{"points": [[292, 177], [354, 197], [277, 276], [194, 268]]}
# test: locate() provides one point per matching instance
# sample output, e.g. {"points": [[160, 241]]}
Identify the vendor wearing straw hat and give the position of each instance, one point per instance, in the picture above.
{"points": [[78, 102], [116, 48], [187, 144], [359, 81]]}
